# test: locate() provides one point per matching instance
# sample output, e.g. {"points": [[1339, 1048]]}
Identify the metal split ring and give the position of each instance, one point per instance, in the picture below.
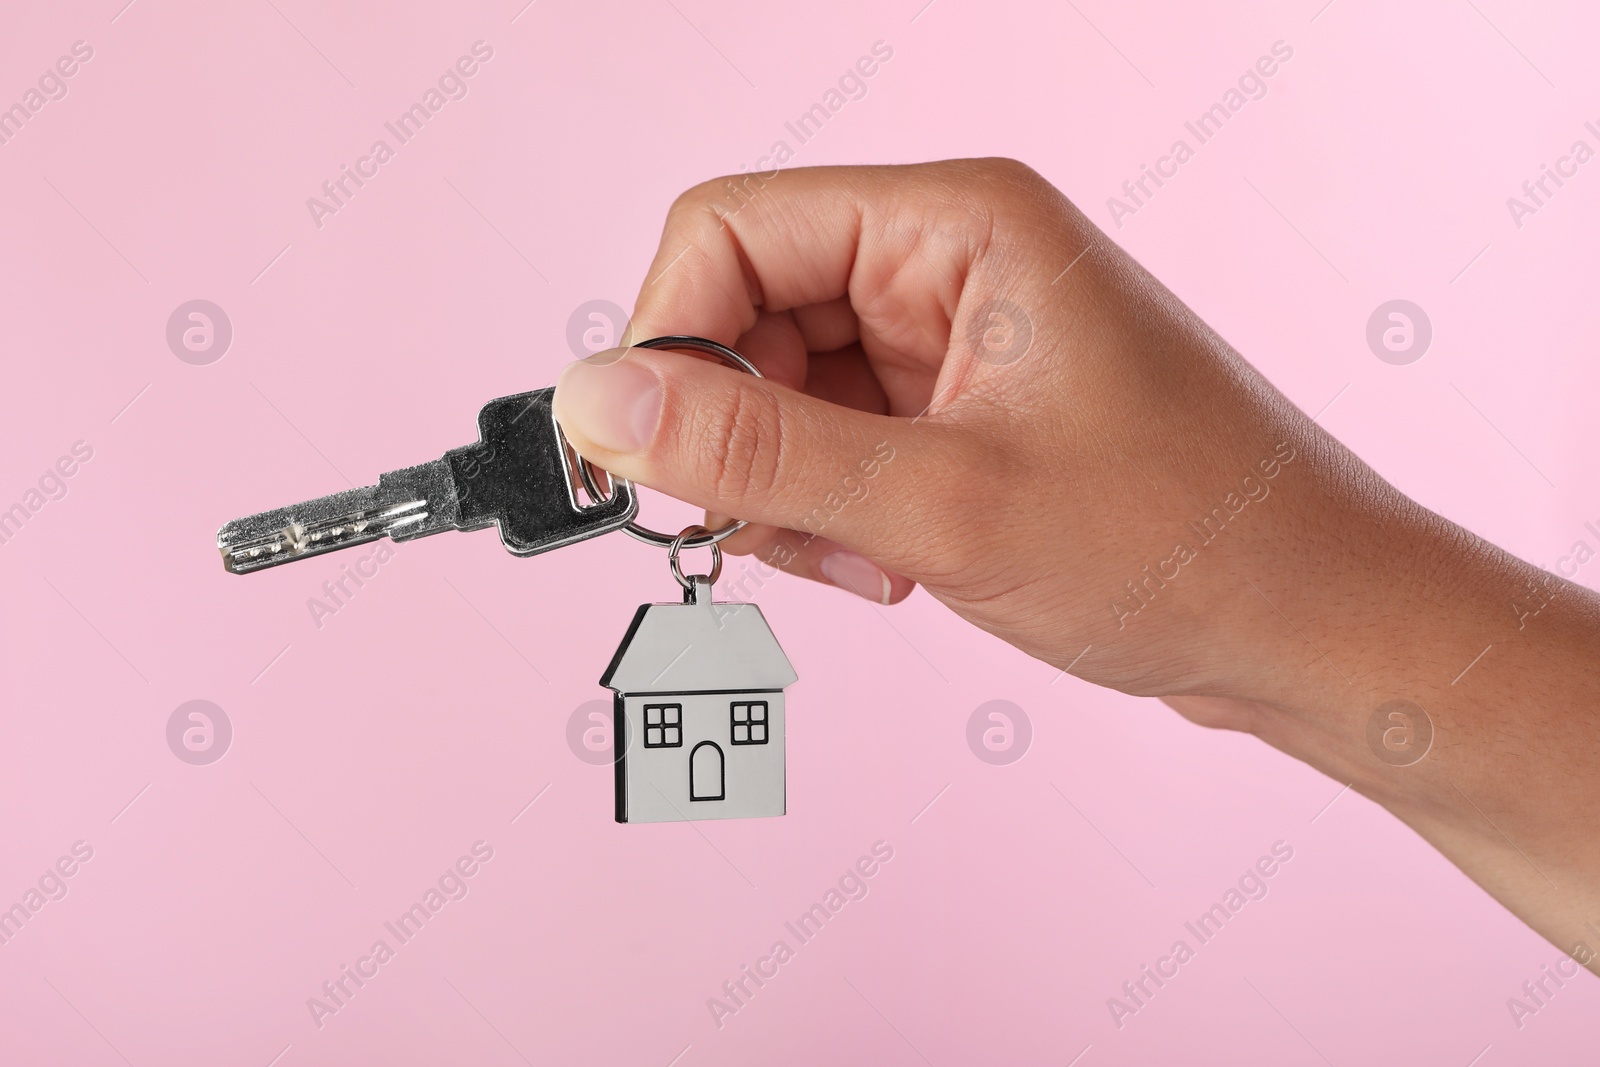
{"points": [[686, 540], [705, 537]]}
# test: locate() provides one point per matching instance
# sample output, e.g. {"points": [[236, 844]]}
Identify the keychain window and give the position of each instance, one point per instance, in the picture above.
{"points": [[663, 726], [750, 722]]}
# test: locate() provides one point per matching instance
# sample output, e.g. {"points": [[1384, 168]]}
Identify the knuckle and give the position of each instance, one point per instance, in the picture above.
{"points": [[691, 199], [1016, 171], [983, 175], [1006, 198], [685, 207], [742, 442], [696, 208]]}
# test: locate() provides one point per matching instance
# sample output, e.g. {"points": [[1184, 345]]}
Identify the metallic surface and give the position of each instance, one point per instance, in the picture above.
{"points": [[517, 477], [689, 583], [695, 665], [644, 533]]}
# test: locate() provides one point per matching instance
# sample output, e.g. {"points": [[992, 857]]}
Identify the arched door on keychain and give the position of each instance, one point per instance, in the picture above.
{"points": [[706, 772]]}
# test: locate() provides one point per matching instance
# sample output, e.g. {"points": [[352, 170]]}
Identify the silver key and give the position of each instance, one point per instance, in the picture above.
{"points": [[519, 476]]}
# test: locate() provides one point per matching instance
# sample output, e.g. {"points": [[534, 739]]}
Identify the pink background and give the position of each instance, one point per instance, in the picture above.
{"points": [[425, 715]]}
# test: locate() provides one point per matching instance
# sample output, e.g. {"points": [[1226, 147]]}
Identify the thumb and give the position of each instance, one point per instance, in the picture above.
{"points": [[739, 445]]}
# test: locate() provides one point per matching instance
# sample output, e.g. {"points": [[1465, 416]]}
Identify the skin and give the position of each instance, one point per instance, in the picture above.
{"points": [[966, 320]]}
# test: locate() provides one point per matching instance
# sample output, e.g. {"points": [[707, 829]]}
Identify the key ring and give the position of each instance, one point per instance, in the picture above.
{"points": [[678, 544], [682, 540]]}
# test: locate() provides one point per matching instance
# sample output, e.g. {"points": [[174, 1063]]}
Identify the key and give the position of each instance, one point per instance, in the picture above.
{"points": [[519, 476]]}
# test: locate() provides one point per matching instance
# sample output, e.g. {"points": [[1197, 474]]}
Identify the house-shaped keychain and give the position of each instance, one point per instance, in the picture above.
{"points": [[699, 712]]}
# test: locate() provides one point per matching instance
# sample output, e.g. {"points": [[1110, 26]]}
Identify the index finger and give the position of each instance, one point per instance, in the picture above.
{"points": [[897, 242]]}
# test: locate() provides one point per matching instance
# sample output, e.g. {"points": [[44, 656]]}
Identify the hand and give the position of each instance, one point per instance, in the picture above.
{"points": [[968, 387], [971, 388]]}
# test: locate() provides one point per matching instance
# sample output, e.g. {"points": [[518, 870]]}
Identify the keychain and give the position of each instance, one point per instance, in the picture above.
{"points": [[699, 706], [698, 685]]}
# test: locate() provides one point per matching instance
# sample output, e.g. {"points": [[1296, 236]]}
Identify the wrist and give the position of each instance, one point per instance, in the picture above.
{"points": [[1395, 656], [1351, 597]]}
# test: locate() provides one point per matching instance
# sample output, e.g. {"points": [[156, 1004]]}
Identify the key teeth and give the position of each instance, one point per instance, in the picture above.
{"points": [[294, 539], [529, 494]]}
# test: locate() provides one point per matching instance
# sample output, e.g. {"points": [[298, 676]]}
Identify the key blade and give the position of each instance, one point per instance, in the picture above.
{"points": [[340, 520], [516, 477], [410, 502]]}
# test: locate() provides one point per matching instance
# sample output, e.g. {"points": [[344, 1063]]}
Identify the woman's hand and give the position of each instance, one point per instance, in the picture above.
{"points": [[969, 387]]}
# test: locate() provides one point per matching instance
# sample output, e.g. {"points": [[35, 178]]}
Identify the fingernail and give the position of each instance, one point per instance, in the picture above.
{"points": [[856, 574], [612, 401]]}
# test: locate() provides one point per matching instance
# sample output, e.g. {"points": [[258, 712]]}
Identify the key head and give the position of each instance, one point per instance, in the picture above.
{"points": [[518, 476]]}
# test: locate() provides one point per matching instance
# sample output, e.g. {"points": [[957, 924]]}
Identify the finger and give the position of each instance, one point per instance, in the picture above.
{"points": [[751, 540], [895, 241], [739, 445], [806, 556], [846, 378], [775, 345], [828, 327]]}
